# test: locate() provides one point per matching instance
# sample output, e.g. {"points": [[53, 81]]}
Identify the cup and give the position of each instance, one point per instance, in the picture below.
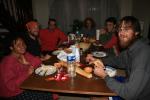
{"points": [[97, 34]]}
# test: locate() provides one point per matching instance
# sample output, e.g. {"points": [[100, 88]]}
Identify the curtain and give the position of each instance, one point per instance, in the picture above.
{"points": [[65, 11]]}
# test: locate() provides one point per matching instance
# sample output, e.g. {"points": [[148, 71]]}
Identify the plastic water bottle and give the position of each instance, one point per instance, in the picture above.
{"points": [[71, 65], [76, 52]]}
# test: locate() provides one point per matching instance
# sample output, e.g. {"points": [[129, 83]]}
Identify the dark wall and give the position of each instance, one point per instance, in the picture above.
{"points": [[141, 9]]}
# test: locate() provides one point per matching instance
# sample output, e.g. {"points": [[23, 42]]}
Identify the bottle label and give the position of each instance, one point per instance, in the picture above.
{"points": [[71, 57]]}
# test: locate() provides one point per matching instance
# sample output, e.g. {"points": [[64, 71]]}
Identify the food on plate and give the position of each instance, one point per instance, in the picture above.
{"points": [[45, 70], [57, 65], [48, 72], [88, 69], [78, 69], [83, 73], [42, 72]]}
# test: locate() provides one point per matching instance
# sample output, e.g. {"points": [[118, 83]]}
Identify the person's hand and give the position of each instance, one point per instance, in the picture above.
{"points": [[98, 63], [89, 58], [99, 68], [31, 69], [46, 57], [103, 31], [100, 71]]}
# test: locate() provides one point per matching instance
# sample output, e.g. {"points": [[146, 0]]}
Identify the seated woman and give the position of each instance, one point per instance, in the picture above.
{"points": [[108, 36], [14, 69], [89, 29]]}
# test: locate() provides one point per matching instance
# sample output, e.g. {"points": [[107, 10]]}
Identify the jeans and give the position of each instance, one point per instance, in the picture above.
{"points": [[120, 79]]}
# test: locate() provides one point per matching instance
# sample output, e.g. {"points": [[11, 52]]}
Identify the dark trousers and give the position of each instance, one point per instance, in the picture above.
{"points": [[122, 80], [31, 95]]}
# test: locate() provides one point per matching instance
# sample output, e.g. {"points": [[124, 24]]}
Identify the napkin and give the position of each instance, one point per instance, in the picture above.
{"points": [[110, 71]]}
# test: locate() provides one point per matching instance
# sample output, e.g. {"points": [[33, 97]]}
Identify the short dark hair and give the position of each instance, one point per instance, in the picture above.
{"points": [[10, 40], [14, 38], [112, 20], [132, 22]]}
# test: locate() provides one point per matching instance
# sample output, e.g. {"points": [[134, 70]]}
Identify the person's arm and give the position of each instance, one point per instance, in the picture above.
{"points": [[115, 61], [138, 79], [11, 76], [33, 60], [131, 89]]}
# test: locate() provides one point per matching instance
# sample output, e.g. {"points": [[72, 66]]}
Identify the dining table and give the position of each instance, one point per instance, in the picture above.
{"points": [[76, 85]]}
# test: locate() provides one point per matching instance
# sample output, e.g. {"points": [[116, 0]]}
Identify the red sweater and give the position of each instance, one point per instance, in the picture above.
{"points": [[49, 39], [113, 42], [13, 73]]}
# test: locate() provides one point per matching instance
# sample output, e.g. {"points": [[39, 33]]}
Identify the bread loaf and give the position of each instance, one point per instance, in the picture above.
{"points": [[83, 73], [78, 70]]}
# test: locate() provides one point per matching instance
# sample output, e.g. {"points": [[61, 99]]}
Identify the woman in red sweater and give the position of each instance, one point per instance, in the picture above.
{"points": [[14, 69]]}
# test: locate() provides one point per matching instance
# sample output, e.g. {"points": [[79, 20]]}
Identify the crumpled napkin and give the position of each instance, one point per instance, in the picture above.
{"points": [[110, 71], [62, 56]]}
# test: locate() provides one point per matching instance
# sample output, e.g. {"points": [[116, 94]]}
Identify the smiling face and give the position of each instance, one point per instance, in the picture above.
{"points": [[18, 47], [34, 31], [33, 28], [126, 34]]}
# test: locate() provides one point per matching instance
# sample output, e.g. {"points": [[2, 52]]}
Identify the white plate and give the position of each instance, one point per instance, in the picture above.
{"points": [[99, 54], [56, 52], [45, 70], [110, 71]]}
